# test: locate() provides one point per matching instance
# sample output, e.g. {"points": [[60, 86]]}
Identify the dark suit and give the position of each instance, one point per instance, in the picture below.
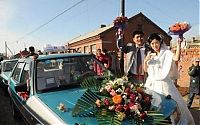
{"points": [[130, 49], [194, 72]]}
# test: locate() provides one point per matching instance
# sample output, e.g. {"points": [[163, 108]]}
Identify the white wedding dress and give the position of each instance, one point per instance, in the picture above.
{"points": [[162, 71]]}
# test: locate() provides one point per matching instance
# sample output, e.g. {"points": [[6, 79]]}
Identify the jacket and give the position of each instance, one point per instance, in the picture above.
{"points": [[194, 73], [130, 50]]}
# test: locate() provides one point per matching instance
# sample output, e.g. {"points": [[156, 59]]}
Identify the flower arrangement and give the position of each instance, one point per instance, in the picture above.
{"points": [[128, 100], [120, 22], [179, 28], [116, 102]]}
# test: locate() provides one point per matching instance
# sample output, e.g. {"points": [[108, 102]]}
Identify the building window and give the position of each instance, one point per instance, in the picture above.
{"points": [[93, 48], [86, 49]]}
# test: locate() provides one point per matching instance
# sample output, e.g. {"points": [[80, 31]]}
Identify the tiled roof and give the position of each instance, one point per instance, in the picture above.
{"points": [[90, 34]]}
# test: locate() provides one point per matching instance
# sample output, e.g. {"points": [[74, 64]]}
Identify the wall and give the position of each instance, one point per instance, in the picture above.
{"points": [[185, 62]]}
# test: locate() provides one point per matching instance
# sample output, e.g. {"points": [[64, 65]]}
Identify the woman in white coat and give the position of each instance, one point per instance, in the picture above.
{"points": [[162, 71]]}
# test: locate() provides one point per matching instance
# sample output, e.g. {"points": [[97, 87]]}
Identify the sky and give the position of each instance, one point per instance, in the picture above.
{"points": [[25, 23]]}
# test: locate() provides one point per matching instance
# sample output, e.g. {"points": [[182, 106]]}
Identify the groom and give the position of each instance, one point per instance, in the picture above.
{"points": [[135, 53]]}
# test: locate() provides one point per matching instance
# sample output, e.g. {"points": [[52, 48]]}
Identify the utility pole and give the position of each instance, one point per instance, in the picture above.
{"points": [[6, 49], [121, 53], [122, 7]]}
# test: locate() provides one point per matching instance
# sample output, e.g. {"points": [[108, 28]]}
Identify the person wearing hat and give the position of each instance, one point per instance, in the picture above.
{"points": [[194, 88]]}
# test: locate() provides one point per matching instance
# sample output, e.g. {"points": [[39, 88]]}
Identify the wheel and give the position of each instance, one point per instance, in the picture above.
{"points": [[5, 91], [15, 111]]}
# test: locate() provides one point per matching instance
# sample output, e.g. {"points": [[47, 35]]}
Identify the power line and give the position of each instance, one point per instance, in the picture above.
{"points": [[36, 29]]}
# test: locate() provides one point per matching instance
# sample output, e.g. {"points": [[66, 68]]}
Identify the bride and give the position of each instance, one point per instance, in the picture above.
{"points": [[161, 68]]}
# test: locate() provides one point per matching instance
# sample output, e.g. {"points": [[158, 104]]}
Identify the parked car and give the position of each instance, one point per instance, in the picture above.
{"points": [[45, 89], [6, 68], [38, 86]]}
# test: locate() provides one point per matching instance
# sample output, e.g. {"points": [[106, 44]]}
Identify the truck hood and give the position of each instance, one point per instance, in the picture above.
{"points": [[68, 98]]}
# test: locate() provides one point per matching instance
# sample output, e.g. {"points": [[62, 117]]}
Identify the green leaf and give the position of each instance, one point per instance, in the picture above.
{"points": [[158, 118], [90, 83], [85, 106], [108, 118]]}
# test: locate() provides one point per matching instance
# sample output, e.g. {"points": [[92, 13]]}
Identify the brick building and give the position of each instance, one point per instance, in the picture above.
{"points": [[191, 51], [104, 37]]}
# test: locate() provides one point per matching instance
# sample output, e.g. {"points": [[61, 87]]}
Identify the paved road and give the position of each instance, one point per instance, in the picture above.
{"points": [[6, 113]]}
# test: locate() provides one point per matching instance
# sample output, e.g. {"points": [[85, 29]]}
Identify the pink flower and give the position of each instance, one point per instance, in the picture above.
{"points": [[131, 105], [113, 93], [106, 102]]}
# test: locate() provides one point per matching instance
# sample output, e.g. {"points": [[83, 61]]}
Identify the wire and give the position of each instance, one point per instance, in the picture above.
{"points": [[36, 29]]}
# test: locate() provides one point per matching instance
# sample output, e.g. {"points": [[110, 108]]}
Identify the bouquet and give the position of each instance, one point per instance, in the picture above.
{"points": [[120, 22], [116, 102], [179, 28]]}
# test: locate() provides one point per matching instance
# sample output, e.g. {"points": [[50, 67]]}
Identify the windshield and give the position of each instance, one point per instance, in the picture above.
{"points": [[9, 65], [62, 73]]}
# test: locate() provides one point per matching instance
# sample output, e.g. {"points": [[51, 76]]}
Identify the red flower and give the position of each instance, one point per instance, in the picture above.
{"points": [[120, 21], [128, 91], [132, 97], [118, 108], [126, 108], [179, 28], [143, 115], [106, 102], [130, 105]]}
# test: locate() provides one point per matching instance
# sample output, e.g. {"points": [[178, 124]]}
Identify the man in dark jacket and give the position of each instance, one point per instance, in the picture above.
{"points": [[194, 88], [133, 67]]}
